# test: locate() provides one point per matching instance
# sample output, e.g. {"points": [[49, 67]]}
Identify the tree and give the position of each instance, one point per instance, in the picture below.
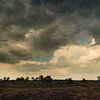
{"points": [[20, 79], [84, 80], [41, 77], [27, 78], [48, 79], [5, 78], [70, 81], [8, 78], [32, 78], [37, 78]]}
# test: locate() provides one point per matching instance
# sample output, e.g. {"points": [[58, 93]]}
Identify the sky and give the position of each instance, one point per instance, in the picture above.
{"points": [[60, 38]]}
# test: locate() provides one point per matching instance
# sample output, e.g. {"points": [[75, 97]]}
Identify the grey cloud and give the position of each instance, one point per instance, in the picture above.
{"points": [[24, 13], [45, 41], [7, 58], [29, 67], [60, 20], [90, 69], [21, 54]]}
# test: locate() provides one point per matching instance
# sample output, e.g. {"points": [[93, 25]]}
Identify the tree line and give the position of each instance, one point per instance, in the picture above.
{"points": [[39, 78], [27, 78]]}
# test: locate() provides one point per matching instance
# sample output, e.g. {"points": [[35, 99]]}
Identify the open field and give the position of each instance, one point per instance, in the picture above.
{"points": [[57, 90]]}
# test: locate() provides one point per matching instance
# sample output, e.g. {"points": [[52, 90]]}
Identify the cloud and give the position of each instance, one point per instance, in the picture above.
{"points": [[21, 53], [7, 58], [29, 66], [74, 55], [55, 24], [65, 34]]}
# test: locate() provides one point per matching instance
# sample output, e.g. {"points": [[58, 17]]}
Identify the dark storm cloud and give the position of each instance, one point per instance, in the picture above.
{"points": [[7, 58], [45, 40], [21, 54], [24, 13], [60, 20], [14, 55]]}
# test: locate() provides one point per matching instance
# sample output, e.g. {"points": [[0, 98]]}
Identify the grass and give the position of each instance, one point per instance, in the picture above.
{"points": [[52, 91]]}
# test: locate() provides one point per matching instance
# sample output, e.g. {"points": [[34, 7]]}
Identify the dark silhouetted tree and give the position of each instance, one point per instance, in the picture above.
{"points": [[27, 78], [37, 78], [32, 78], [48, 79], [70, 81], [41, 77], [84, 80], [8, 78], [5, 78], [20, 79]]}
